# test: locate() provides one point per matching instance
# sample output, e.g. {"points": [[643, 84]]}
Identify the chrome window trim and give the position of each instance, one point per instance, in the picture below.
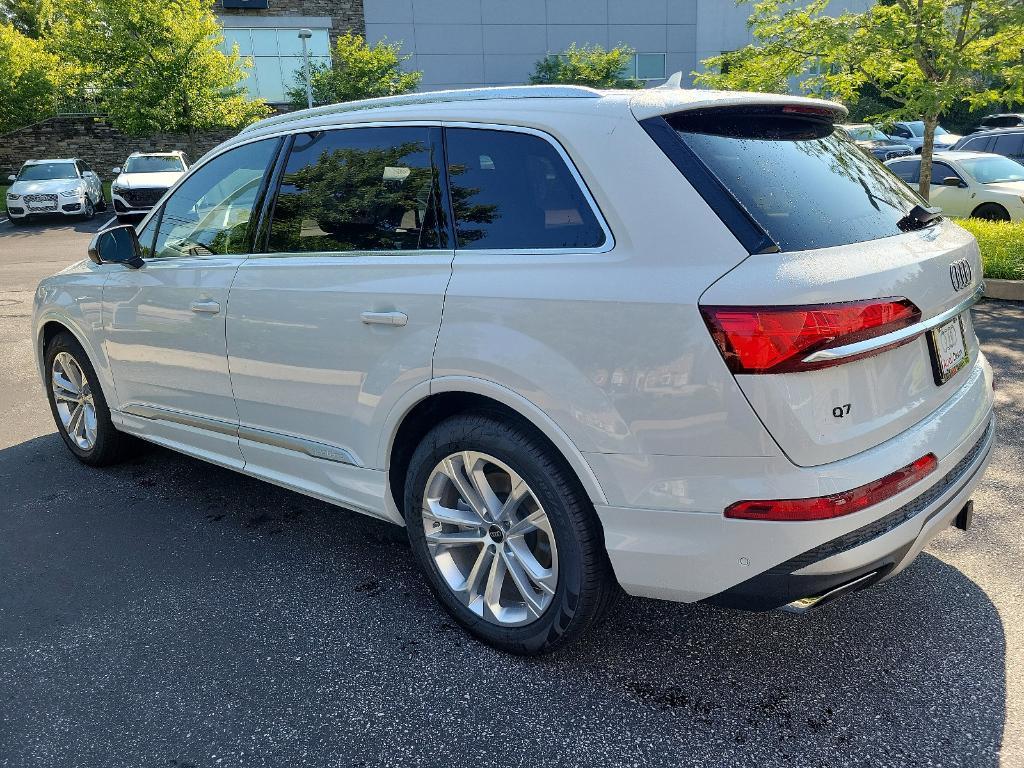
{"points": [[605, 247], [896, 337]]}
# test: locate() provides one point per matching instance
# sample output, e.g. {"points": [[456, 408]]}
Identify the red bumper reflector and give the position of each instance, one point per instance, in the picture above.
{"points": [[777, 339], [838, 504]]}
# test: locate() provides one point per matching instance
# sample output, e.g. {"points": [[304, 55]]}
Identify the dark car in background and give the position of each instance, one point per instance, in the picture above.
{"points": [[1002, 120], [1008, 142], [874, 142]]}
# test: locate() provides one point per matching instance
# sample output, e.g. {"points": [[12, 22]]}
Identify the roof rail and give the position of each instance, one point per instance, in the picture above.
{"points": [[434, 97]]}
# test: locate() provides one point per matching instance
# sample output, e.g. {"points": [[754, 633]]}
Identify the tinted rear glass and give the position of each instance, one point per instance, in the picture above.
{"points": [[1009, 144], [805, 183], [512, 190]]}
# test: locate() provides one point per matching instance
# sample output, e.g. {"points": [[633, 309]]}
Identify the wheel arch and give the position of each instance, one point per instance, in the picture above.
{"points": [[51, 326], [426, 406], [990, 204]]}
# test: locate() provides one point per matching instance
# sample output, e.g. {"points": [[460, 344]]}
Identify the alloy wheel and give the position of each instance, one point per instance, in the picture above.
{"points": [[490, 538], [74, 400]]}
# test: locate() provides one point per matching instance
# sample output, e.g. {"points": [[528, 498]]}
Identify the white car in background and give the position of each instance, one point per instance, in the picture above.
{"points": [[695, 345], [143, 180], [970, 184], [65, 186]]}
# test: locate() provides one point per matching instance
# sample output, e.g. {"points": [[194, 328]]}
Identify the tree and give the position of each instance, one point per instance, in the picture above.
{"points": [[155, 65], [30, 82], [922, 56], [590, 65], [357, 71], [30, 17]]}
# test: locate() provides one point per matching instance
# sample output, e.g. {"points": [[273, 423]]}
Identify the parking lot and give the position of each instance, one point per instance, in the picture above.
{"points": [[167, 612]]}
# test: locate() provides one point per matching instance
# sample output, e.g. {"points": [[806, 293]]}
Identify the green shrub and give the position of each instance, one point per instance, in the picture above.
{"points": [[357, 71], [1002, 246], [587, 65]]}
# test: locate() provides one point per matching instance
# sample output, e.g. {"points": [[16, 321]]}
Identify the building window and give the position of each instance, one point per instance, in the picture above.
{"points": [[276, 56], [648, 66]]}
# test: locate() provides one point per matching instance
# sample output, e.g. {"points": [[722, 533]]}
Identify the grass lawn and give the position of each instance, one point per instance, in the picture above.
{"points": [[1002, 246], [3, 195]]}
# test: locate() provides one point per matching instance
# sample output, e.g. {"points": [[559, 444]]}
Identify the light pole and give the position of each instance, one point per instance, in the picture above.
{"points": [[304, 35]]}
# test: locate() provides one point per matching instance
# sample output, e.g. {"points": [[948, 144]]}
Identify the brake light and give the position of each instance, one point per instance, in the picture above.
{"points": [[838, 504], [777, 339]]}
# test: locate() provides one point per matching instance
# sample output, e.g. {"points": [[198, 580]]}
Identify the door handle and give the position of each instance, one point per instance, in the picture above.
{"points": [[208, 306], [384, 318]]}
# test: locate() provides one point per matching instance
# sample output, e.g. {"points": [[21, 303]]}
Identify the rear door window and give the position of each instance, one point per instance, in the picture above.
{"points": [[358, 189], [513, 191], [805, 183], [979, 144], [908, 170], [1009, 144]]}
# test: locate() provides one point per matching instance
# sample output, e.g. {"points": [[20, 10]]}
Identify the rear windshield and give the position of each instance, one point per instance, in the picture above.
{"points": [[804, 182]]}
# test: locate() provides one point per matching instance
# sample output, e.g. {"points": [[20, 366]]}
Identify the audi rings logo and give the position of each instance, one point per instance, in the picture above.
{"points": [[960, 274]]}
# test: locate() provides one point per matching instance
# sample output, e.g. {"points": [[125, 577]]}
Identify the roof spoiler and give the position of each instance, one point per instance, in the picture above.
{"points": [[669, 99]]}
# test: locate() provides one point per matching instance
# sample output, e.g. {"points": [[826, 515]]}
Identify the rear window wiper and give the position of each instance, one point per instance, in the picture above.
{"points": [[919, 217]]}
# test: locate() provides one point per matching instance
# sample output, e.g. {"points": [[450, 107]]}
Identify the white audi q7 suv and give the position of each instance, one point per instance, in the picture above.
{"points": [[143, 180], [695, 345]]}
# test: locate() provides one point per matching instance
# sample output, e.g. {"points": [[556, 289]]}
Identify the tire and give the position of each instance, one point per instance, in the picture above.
{"points": [[18, 222], [102, 446], [89, 209], [572, 583], [991, 212]]}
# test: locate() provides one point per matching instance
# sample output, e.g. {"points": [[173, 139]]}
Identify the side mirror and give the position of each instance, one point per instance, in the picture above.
{"points": [[12, 177], [117, 245], [116, 171], [952, 181]]}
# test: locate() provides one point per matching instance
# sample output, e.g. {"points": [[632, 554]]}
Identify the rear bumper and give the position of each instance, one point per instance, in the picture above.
{"points": [[667, 536], [870, 554]]}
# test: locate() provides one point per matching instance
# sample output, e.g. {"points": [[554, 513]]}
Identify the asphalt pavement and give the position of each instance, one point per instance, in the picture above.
{"points": [[170, 613]]}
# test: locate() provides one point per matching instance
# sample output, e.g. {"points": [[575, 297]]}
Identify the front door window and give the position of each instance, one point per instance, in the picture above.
{"points": [[209, 214]]}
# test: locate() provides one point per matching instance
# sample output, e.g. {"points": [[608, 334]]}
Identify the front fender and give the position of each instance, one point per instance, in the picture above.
{"points": [[77, 306]]}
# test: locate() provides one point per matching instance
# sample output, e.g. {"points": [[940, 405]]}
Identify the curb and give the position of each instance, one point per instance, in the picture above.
{"points": [[1007, 290]]}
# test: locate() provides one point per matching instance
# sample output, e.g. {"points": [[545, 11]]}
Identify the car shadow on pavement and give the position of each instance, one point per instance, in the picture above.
{"points": [[139, 595], [40, 225]]}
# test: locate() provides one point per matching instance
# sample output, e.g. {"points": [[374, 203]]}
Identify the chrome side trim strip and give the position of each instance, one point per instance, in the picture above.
{"points": [[896, 337], [264, 436], [180, 417], [298, 444]]}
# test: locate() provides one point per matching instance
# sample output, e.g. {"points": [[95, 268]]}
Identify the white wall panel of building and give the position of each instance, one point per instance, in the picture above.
{"points": [[468, 43]]}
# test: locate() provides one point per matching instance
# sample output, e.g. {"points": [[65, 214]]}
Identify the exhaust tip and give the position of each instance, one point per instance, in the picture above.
{"points": [[805, 604], [965, 517]]}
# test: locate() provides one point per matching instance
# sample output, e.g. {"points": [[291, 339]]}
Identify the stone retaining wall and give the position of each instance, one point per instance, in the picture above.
{"points": [[90, 138]]}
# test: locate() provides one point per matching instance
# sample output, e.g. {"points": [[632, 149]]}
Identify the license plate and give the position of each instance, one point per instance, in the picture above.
{"points": [[41, 207], [949, 349]]}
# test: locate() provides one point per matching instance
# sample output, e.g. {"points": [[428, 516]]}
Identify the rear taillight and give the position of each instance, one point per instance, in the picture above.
{"points": [[838, 504], [777, 339]]}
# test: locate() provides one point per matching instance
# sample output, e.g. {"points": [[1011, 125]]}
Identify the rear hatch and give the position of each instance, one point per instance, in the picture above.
{"points": [[848, 323]]}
